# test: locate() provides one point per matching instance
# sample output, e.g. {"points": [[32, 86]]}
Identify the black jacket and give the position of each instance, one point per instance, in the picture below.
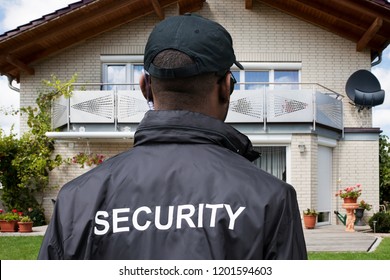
{"points": [[185, 191]]}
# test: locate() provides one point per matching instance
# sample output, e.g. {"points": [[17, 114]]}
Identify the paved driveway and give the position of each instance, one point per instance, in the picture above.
{"points": [[332, 238]]}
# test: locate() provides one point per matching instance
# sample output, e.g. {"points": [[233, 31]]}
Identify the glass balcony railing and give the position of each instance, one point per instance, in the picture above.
{"points": [[116, 110]]}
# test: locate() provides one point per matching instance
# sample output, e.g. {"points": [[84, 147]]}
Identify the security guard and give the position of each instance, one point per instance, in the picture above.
{"points": [[188, 189]]}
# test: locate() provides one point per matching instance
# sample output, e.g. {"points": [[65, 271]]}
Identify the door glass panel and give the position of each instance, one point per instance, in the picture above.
{"points": [[272, 160]]}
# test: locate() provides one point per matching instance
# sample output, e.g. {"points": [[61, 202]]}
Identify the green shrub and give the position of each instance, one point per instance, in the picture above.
{"points": [[37, 216], [382, 222], [25, 162]]}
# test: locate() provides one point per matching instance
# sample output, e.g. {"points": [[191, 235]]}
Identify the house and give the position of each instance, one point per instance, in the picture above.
{"points": [[290, 100]]}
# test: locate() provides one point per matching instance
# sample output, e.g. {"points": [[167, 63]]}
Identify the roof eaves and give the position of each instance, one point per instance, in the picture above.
{"points": [[44, 19]]}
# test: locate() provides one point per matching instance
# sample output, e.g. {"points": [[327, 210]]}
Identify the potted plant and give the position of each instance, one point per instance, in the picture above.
{"points": [[9, 221], [310, 218], [25, 224], [364, 205], [350, 194], [359, 212]]}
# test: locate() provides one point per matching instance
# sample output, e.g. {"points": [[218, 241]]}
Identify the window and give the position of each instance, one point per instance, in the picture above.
{"points": [[122, 76], [258, 75], [121, 72]]}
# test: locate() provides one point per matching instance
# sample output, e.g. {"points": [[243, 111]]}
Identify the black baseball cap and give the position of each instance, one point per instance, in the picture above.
{"points": [[207, 42]]}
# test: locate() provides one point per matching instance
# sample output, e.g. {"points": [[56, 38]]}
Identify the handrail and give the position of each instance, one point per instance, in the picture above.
{"points": [[239, 83]]}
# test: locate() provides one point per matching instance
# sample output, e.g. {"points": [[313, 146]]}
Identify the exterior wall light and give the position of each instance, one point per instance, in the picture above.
{"points": [[302, 148]]}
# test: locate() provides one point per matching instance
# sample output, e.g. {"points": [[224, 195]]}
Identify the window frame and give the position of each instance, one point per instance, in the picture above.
{"points": [[271, 67], [128, 61], [133, 60]]}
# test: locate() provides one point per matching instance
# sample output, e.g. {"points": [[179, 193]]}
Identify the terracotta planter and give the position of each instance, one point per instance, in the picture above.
{"points": [[350, 200], [8, 226], [309, 221], [25, 226]]}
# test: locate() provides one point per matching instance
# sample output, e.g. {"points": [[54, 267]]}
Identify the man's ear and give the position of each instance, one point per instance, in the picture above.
{"points": [[144, 84], [224, 89]]}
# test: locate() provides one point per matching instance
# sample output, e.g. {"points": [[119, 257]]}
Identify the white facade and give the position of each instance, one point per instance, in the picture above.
{"points": [[331, 159]]}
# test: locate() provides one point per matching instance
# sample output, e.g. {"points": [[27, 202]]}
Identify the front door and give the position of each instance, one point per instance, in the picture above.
{"points": [[324, 195]]}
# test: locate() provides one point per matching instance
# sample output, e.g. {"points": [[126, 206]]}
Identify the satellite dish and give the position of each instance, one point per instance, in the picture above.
{"points": [[364, 89]]}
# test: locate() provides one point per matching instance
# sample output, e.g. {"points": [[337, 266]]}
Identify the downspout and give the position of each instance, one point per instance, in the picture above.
{"points": [[10, 80], [378, 61]]}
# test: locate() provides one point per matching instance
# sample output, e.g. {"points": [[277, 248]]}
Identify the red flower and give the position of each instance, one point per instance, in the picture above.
{"points": [[20, 213], [351, 191], [14, 211], [1, 211]]}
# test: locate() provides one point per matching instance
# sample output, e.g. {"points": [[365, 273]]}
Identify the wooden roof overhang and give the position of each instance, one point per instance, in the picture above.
{"points": [[365, 22], [73, 24]]}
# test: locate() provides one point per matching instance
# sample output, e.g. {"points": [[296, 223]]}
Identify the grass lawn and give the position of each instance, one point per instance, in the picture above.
{"points": [[27, 247], [20, 247]]}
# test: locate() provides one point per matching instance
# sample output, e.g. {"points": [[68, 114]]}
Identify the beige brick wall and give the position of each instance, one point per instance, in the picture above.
{"points": [[304, 170], [261, 34], [358, 163], [67, 172]]}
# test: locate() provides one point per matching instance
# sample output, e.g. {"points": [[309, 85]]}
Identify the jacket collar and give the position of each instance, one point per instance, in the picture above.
{"points": [[190, 127]]}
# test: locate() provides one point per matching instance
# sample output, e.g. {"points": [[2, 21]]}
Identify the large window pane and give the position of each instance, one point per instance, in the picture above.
{"points": [[236, 75], [137, 72], [256, 77], [116, 74], [287, 78]]}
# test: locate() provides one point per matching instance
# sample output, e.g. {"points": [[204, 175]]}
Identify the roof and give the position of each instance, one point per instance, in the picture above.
{"points": [[73, 24], [365, 22]]}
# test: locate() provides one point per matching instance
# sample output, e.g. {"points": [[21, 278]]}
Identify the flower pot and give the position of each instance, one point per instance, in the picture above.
{"points": [[350, 200], [359, 213], [25, 226], [309, 221], [8, 226]]}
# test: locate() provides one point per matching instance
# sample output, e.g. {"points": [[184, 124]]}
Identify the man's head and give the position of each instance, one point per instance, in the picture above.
{"points": [[188, 58]]}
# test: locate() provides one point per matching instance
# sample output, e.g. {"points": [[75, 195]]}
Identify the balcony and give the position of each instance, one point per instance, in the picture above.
{"points": [[95, 113]]}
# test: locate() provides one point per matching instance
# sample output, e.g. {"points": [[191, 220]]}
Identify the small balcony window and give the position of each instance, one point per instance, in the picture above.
{"points": [[257, 76], [121, 72]]}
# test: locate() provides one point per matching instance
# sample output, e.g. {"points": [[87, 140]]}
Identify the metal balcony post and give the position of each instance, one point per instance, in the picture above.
{"points": [[265, 109]]}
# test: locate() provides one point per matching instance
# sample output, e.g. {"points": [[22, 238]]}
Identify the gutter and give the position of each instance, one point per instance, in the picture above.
{"points": [[378, 61], [10, 80]]}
